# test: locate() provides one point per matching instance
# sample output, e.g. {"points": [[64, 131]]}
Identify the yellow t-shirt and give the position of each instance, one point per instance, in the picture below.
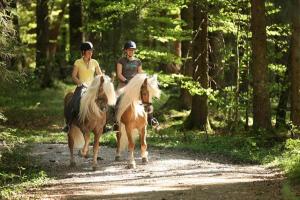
{"points": [[86, 72]]}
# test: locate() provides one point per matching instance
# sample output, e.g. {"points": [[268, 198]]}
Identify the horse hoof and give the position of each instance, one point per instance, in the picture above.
{"points": [[117, 158], [100, 158], [144, 160], [81, 155], [131, 166], [95, 168]]}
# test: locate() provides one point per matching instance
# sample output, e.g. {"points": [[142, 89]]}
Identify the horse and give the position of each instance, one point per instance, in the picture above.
{"points": [[92, 116], [132, 116]]}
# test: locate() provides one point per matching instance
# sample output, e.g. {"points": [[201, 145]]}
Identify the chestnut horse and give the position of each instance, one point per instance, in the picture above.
{"points": [[92, 116], [132, 117]]}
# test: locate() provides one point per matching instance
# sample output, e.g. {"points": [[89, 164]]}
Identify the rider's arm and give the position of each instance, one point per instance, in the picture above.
{"points": [[119, 73], [98, 70], [139, 69], [75, 75]]}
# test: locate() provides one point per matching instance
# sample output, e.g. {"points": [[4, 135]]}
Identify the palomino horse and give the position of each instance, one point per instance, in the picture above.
{"points": [[92, 116], [132, 117]]}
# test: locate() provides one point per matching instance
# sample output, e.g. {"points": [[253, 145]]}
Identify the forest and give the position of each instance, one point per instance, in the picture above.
{"points": [[229, 72]]}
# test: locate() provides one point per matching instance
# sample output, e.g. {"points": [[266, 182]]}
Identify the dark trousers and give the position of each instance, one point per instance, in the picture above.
{"points": [[72, 109]]}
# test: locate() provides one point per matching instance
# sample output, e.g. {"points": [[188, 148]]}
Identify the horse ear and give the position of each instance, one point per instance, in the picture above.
{"points": [[145, 82], [101, 80]]}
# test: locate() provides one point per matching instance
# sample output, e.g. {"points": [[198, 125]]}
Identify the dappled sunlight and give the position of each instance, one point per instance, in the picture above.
{"points": [[165, 172]]}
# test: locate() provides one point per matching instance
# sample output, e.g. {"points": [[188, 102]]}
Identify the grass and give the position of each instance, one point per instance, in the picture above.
{"points": [[28, 115], [236, 148]]}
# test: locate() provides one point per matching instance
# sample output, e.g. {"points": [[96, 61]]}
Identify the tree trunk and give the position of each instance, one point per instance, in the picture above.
{"points": [[295, 65], [75, 23], [199, 111], [186, 50], [216, 43], [43, 69], [17, 62], [261, 100]]}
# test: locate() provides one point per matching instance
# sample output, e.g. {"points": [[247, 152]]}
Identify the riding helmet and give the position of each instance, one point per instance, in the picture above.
{"points": [[130, 45], [85, 46]]}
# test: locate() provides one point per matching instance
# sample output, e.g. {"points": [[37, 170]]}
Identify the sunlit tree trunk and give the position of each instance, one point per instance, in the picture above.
{"points": [[261, 100], [295, 65]]}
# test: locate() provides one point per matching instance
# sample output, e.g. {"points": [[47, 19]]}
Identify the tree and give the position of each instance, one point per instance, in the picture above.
{"points": [[43, 69], [199, 111], [75, 27], [295, 64], [186, 50], [261, 100]]}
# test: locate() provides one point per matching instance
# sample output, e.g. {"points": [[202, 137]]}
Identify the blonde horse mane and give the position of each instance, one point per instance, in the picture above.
{"points": [[88, 107], [131, 94]]}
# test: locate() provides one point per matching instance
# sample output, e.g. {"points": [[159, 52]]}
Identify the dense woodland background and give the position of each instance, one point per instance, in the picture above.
{"points": [[232, 66], [239, 59]]}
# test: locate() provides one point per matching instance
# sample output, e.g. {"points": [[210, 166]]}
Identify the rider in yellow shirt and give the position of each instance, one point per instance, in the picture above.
{"points": [[83, 74]]}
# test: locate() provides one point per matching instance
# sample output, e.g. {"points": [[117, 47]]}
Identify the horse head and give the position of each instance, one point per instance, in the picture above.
{"points": [[105, 94], [98, 96]]}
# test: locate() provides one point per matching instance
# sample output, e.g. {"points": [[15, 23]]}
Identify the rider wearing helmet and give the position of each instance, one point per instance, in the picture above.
{"points": [[85, 68], [84, 71], [128, 65]]}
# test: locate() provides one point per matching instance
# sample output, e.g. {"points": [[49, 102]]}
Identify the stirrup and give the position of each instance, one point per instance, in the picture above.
{"points": [[154, 122]]}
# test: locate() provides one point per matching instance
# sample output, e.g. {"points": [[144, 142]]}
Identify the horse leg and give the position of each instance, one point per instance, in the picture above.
{"points": [[118, 155], [71, 148], [96, 148], [130, 148], [85, 150], [144, 152]]}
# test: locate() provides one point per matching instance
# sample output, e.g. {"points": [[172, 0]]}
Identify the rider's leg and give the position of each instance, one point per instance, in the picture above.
{"points": [[73, 107]]}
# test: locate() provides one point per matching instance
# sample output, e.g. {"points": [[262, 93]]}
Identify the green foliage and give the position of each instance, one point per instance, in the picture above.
{"points": [[18, 171], [185, 82], [287, 192], [237, 148], [291, 159], [7, 41], [40, 108], [154, 25]]}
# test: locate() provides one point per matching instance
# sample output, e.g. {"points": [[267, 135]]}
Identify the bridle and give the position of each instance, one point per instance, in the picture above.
{"points": [[147, 104], [101, 101]]}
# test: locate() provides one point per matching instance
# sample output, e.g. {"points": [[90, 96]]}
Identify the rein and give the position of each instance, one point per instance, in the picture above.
{"points": [[101, 102], [147, 105]]}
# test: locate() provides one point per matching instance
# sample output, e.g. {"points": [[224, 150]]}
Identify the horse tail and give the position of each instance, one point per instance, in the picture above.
{"points": [[124, 138], [76, 135]]}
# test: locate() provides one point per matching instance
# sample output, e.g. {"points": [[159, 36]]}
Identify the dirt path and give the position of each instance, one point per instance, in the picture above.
{"points": [[168, 175]]}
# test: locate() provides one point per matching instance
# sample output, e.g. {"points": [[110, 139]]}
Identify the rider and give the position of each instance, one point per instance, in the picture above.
{"points": [[83, 74], [127, 67]]}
